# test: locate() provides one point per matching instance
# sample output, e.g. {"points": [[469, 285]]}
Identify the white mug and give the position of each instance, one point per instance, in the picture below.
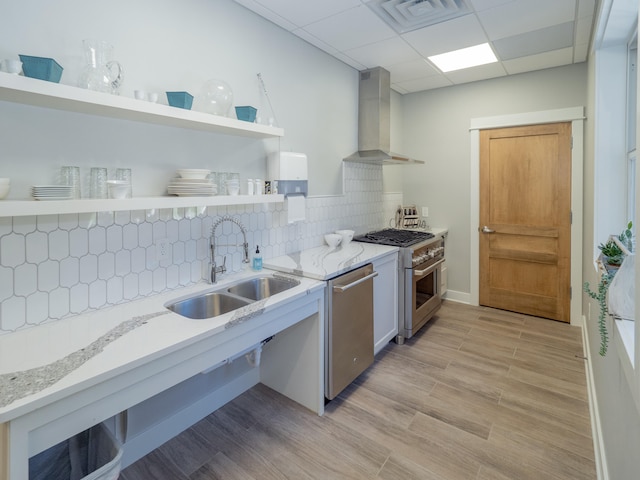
{"points": [[12, 66]]}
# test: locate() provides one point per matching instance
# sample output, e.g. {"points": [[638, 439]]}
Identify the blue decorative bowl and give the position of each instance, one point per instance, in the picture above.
{"points": [[180, 99], [41, 68], [248, 114]]}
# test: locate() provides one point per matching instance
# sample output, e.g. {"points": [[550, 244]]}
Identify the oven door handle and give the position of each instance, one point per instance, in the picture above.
{"points": [[429, 269], [344, 288]]}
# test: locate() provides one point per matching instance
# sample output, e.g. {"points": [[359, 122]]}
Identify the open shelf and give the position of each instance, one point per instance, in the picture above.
{"points": [[30, 91], [21, 208]]}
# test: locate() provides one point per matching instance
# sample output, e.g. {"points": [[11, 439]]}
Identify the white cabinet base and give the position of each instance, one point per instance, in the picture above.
{"points": [[385, 301]]}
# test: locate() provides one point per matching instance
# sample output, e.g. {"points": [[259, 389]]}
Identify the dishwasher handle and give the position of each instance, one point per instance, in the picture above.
{"points": [[344, 288]]}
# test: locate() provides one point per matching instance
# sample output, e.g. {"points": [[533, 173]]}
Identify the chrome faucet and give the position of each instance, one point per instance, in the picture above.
{"points": [[214, 268]]}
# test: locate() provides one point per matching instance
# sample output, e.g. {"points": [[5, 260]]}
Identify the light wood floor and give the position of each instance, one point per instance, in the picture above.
{"points": [[478, 394]]}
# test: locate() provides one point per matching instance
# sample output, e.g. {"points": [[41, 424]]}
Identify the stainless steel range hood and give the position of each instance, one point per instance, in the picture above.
{"points": [[374, 120]]}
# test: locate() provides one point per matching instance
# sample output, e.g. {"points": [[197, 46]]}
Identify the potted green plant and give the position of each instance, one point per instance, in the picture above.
{"points": [[612, 254], [601, 297]]}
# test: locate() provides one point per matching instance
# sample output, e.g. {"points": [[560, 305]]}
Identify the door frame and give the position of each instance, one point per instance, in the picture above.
{"points": [[575, 115]]}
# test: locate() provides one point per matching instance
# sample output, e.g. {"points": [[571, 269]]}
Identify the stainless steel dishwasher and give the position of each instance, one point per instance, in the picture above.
{"points": [[349, 328]]}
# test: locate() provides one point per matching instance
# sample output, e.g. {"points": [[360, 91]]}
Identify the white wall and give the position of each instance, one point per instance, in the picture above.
{"points": [[604, 191], [55, 266], [436, 129], [166, 45]]}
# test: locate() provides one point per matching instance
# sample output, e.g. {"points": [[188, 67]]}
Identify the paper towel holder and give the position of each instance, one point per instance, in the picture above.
{"points": [[292, 187], [289, 169]]}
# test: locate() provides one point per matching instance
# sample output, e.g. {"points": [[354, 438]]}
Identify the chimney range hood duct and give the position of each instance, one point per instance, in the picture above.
{"points": [[374, 120]]}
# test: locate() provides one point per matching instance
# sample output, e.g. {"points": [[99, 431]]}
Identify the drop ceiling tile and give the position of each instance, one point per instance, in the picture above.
{"points": [[316, 42], [480, 5], [458, 33], [522, 16], [586, 8], [538, 41], [583, 29], [350, 61], [403, 72], [540, 61], [302, 13], [474, 74], [387, 52], [350, 29], [426, 83], [259, 9]]}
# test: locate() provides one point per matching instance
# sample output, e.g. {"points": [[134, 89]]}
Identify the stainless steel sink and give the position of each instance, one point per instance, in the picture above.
{"points": [[262, 287], [207, 305]]}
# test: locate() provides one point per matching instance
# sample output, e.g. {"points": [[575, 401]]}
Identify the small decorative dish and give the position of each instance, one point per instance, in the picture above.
{"points": [[41, 68], [246, 113], [180, 99]]}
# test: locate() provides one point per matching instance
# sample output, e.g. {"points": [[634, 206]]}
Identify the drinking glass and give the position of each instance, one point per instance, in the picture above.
{"points": [[222, 183], [213, 179], [98, 182], [124, 174], [71, 176], [233, 183]]}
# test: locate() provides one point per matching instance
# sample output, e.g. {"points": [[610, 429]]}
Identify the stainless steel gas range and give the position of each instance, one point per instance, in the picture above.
{"points": [[419, 275]]}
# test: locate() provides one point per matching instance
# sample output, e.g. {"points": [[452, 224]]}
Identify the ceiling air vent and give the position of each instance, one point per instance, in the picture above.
{"points": [[407, 15]]}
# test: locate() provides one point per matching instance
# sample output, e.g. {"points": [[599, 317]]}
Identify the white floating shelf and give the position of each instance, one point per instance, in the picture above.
{"points": [[40, 93], [21, 208]]}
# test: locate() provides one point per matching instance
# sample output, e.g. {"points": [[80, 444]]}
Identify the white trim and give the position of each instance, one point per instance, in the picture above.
{"points": [[456, 296], [599, 450], [575, 115], [528, 118]]}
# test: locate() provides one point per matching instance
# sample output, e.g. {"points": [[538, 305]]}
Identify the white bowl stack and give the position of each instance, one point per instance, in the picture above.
{"points": [[347, 236], [193, 182], [118, 188], [332, 239], [5, 186]]}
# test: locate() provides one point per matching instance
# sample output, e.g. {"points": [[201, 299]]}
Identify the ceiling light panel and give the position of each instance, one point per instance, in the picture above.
{"points": [[408, 15], [464, 58]]}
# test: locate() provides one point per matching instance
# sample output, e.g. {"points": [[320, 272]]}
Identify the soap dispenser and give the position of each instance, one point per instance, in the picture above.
{"points": [[257, 259]]}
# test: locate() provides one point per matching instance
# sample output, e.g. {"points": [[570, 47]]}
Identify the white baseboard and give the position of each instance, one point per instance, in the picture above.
{"points": [[460, 297], [596, 427], [143, 443]]}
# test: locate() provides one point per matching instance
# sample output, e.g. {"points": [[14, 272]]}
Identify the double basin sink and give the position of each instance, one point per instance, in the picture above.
{"points": [[225, 300]]}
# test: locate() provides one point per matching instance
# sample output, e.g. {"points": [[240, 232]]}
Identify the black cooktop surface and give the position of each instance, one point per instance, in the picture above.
{"points": [[394, 237]]}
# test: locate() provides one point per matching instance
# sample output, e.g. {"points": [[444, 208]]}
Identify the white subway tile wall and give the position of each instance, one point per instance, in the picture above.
{"points": [[55, 266]]}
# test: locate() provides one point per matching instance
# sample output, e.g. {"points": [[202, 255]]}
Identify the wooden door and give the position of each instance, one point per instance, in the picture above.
{"points": [[525, 219]]}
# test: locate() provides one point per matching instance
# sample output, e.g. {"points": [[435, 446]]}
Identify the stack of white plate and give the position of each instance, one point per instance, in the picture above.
{"points": [[52, 192], [192, 187]]}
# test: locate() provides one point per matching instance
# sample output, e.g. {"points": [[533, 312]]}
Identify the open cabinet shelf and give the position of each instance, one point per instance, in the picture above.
{"points": [[21, 208], [30, 91]]}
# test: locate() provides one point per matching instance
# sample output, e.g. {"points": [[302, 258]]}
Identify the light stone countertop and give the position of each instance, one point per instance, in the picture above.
{"points": [[323, 263], [48, 361]]}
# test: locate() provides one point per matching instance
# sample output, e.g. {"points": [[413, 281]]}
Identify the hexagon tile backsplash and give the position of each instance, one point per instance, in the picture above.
{"points": [[55, 266]]}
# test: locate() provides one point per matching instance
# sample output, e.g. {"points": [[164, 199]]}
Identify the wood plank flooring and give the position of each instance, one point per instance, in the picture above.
{"points": [[477, 394]]}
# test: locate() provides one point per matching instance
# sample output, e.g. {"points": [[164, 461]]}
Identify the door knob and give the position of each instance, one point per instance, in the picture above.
{"points": [[486, 229]]}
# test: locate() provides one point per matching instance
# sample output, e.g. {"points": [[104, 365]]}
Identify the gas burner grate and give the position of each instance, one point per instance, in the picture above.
{"points": [[394, 237]]}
